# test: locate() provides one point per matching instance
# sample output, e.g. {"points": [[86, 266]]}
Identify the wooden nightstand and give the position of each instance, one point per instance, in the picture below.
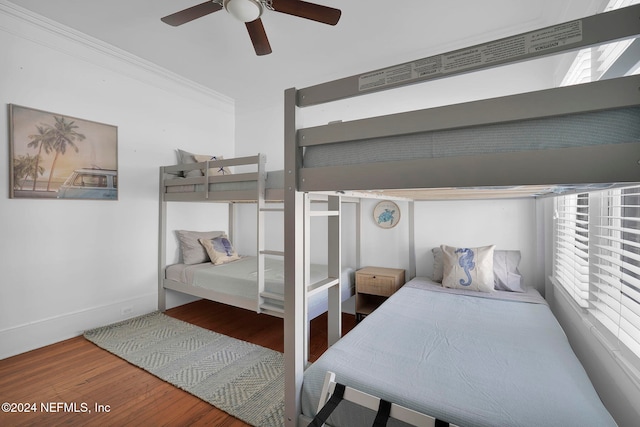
{"points": [[373, 286]]}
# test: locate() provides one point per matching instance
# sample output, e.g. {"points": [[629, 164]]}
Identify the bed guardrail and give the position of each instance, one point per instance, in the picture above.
{"points": [[334, 392], [173, 178]]}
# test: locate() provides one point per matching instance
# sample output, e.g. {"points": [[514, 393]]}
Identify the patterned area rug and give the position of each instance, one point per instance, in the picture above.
{"points": [[243, 379]]}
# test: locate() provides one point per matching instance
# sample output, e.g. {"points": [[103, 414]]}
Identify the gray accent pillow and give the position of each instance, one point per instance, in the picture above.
{"points": [[438, 265], [191, 249], [184, 158], [505, 269]]}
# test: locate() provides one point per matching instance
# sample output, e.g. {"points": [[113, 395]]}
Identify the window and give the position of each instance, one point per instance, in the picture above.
{"points": [[90, 180], [615, 59], [597, 259]]}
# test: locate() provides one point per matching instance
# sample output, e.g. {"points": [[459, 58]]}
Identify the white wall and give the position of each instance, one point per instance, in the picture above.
{"points": [[508, 224], [69, 265]]}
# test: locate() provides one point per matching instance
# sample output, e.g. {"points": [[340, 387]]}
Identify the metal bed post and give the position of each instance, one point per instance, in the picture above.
{"points": [[334, 258], [293, 267], [307, 273], [412, 241], [231, 229], [162, 243], [358, 234], [260, 207]]}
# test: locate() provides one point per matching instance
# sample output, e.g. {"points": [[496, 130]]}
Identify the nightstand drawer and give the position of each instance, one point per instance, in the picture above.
{"points": [[373, 286], [377, 285]]}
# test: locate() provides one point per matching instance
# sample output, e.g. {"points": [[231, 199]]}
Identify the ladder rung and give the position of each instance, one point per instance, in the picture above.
{"points": [[273, 310], [322, 285], [277, 253], [272, 209], [323, 197], [272, 295], [324, 213]]}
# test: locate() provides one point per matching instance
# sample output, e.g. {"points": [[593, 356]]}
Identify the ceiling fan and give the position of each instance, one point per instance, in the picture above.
{"points": [[250, 11]]}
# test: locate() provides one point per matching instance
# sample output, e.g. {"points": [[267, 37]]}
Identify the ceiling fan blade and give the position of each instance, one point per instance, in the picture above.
{"points": [[312, 11], [191, 13], [258, 37]]}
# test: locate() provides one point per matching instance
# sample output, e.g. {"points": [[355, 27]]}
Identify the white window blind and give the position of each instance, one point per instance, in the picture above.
{"points": [[597, 259], [592, 63], [615, 289], [571, 260]]}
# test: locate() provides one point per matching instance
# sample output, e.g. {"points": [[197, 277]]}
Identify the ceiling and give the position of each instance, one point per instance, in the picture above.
{"points": [[215, 50]]}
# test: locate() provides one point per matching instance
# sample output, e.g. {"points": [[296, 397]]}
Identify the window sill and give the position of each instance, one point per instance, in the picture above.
{"points": [[630, 367]]}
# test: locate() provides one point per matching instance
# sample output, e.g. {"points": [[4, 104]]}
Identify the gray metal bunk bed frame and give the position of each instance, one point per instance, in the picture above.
{"points": [[613, 163], [214, 189], [203, 192]]}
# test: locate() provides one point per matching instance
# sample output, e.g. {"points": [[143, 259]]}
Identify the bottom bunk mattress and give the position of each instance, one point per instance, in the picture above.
{"points": [[239, 279], [468, 358]]}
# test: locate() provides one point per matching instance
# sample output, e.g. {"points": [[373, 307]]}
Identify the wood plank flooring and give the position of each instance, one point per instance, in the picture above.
{"points": [[81, 375]]}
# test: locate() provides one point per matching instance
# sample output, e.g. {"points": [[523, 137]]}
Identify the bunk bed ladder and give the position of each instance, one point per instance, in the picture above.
{"points": [[265, 299], [331, 283], [266, 296]]}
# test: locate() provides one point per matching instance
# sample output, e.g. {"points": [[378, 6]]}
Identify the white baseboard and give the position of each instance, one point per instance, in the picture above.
{"points": [[22, 338]]}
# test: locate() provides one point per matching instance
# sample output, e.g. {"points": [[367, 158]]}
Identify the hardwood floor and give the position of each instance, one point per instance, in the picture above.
{"points": [[100, 389]]}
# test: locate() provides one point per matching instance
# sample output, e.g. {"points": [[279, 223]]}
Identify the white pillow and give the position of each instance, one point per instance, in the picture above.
{"points": [[468, 268], [191, 250], [220, 250]]}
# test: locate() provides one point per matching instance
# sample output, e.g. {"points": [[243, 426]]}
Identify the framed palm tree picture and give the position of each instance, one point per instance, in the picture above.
{"points": [[62, 157]]}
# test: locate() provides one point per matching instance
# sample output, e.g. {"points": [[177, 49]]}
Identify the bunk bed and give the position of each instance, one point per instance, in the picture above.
{"points": [[250, 282], [566, 139]]}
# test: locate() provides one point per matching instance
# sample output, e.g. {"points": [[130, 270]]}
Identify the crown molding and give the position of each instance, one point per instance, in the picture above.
{"points": [[95, 51]]}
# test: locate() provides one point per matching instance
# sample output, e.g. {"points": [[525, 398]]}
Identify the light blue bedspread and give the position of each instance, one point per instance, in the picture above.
{"points": [[463, 359], [239, 278]]}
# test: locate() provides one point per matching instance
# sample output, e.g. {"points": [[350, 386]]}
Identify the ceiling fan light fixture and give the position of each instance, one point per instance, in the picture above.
{"points": [[244, 10]]}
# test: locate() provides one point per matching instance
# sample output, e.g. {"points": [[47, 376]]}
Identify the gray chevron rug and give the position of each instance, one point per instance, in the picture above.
{"points": [[243, 379]]}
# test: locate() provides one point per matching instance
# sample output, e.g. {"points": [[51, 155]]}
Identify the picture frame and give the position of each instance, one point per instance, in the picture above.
{"points": [[386, 214], [56, 156]]}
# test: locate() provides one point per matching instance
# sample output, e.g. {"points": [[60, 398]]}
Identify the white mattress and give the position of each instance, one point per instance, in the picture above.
{"points": [[472, 360]]}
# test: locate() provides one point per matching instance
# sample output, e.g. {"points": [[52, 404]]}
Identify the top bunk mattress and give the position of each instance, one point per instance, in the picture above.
{"points": [[575, 130], [472, 360], [568, 136]]}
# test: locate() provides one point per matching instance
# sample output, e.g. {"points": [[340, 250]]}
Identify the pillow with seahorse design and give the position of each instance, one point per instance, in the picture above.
{"points": [[468, 268]]}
